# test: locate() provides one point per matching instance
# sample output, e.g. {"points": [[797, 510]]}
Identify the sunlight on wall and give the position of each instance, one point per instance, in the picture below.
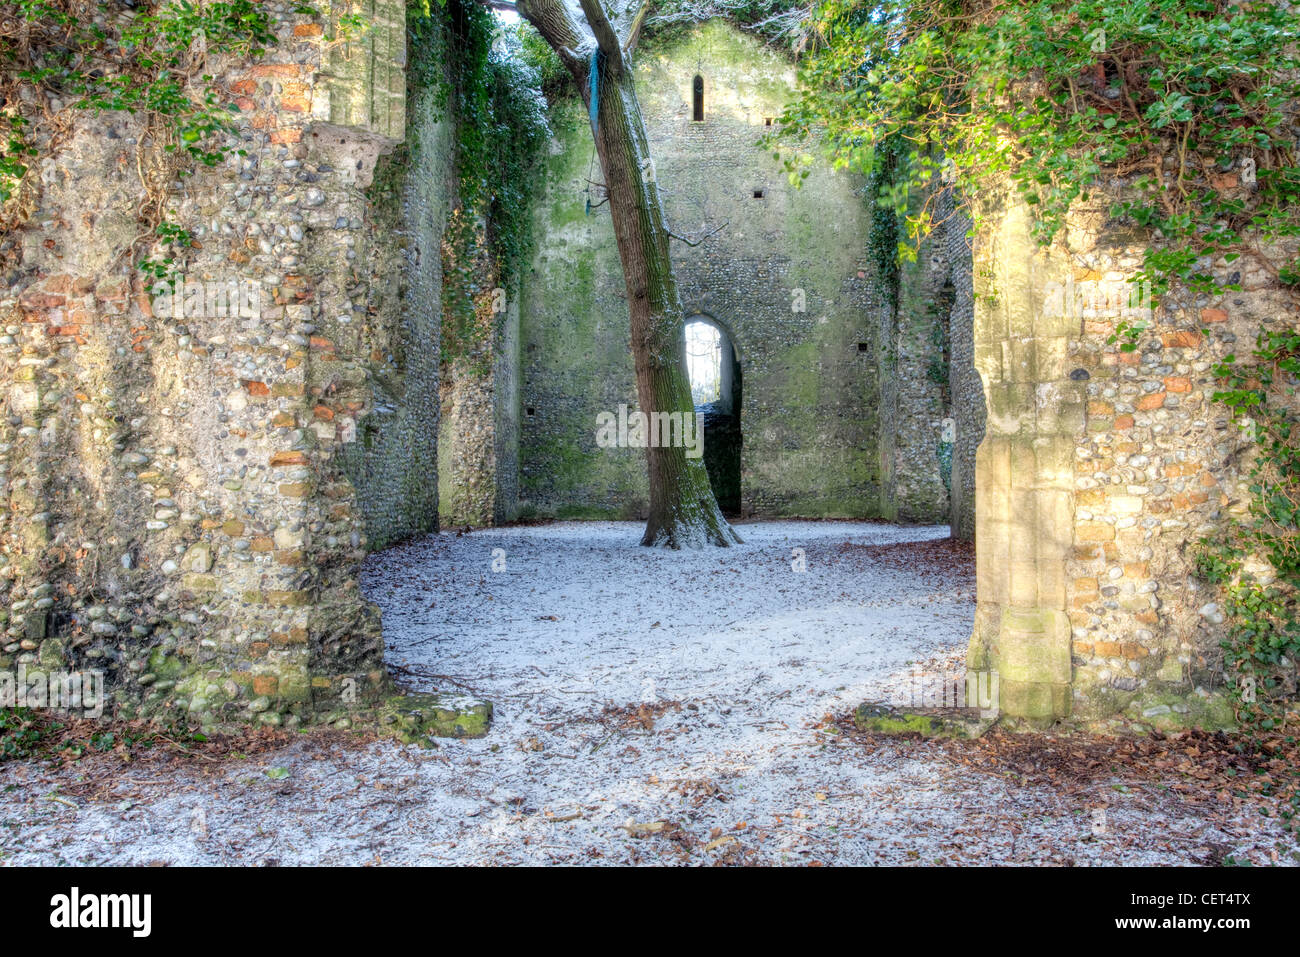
{"points": [[704, 361]]}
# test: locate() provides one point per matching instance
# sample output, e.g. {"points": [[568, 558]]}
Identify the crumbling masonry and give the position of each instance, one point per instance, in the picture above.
{"points": [[188, 496]]}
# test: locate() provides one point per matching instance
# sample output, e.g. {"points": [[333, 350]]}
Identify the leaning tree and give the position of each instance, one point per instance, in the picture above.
{"points": [[596, 48]]}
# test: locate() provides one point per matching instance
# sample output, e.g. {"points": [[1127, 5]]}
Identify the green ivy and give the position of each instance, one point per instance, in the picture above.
{"points": [[123, 57], [1255, 563], [1186, 107], [146, 60], [1182, 98], [484, 81], [19, 732]]}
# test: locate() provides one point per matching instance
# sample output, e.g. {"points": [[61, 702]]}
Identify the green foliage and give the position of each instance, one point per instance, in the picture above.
{"points": [[537, 54], [944, 452], [164, 270], [484, 80], [1263, 611], [1184, 110], [19, 732], [884, 240], [141, 60], [1186, 99]]}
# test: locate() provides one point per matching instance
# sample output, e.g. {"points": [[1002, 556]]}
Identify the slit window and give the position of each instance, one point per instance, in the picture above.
{"points": [[697, 97]]}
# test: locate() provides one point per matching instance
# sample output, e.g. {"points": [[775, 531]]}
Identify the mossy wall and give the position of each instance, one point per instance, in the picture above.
{"points": [[393, 462], [788, 278]]}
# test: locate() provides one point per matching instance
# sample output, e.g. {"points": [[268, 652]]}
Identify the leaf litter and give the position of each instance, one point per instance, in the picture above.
{"points": [[657, 707]]}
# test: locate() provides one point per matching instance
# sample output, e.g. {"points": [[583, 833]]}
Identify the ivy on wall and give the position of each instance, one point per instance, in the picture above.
{"points": [[491, 89], [1184, 110], [145, 59], [1189, 100]]}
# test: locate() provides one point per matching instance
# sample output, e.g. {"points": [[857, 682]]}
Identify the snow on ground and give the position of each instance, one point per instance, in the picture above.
{"points": [[651, 707]]}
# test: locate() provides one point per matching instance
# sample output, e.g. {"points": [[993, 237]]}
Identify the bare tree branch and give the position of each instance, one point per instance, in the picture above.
{"points": [[553, 20], [603, 30], [633, 31], [696, 242]]}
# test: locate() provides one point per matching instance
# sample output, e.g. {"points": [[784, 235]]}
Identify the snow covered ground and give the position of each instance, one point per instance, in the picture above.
{"points": [[651, 707]]}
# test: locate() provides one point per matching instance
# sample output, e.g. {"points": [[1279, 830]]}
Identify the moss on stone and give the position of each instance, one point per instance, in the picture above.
{"points": [[416, 717], [884, 720]]}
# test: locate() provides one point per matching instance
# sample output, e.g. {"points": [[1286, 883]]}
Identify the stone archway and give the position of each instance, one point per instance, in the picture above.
{"points": [[720, 415]]}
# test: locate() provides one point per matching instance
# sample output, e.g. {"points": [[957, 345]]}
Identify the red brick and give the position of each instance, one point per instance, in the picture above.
{"points": [[1094, 532], [1183, 339], [39, 300], [288, 458], [274, 69], [265, 684]]}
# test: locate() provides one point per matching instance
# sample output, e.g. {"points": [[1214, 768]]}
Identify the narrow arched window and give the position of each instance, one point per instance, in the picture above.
{"points": [[697, 92]]}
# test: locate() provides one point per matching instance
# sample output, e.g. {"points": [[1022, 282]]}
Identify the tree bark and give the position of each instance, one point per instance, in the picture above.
{"points": [[683, 510]]}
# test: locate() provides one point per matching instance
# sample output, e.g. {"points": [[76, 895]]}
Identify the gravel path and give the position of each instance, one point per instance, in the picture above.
{"points": [[651, 707]]}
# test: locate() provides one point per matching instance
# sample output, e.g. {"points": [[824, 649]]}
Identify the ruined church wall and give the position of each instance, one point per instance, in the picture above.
{"points": [[176, 511], [1100, 472], [788, 278], [393, 463], [478, 439], [931, 404]]}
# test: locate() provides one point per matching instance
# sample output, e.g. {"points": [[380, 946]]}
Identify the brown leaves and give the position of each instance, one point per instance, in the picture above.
{"points": [[1200, 767]]}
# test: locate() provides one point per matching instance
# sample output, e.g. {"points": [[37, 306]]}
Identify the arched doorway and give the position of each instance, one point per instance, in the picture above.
{"points": [[715, 378]]}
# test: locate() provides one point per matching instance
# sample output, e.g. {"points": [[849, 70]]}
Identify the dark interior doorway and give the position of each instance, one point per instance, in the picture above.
{"points": [[716, 389]]}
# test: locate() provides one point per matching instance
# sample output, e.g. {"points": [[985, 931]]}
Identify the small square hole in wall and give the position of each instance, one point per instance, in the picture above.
{"points": [[863, 347], [767, 121], [530, 410], [758, 194]]}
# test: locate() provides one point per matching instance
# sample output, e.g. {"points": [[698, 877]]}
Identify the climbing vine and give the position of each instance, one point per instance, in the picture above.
{"points": [[149, 60], [491, 90], [1184, 110], [1257, 563], [1190, 101], [146, 60]]}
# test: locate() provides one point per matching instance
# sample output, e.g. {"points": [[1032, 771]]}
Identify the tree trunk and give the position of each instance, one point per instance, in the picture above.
{"points": [[683, 510]]}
